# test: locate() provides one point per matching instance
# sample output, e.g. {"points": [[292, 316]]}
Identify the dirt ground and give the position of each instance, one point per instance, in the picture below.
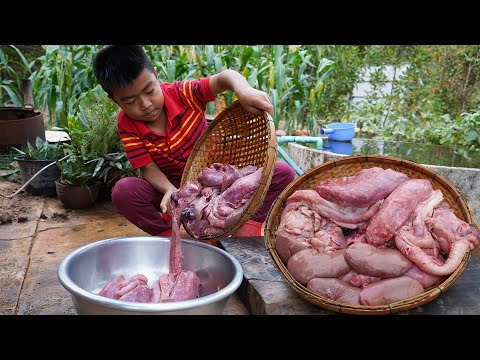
{"points": [[19, 207], [36, 234], [15, 209]]}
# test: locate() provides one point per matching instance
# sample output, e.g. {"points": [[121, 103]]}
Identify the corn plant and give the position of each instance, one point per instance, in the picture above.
{"points": [[64, 76], [11, 83], [308, 85]]}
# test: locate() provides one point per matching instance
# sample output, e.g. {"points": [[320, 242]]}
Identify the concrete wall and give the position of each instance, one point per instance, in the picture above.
{"points": [[466, 180]]}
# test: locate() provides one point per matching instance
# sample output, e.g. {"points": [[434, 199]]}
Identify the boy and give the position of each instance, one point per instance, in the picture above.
{"points": [[158, 125]]}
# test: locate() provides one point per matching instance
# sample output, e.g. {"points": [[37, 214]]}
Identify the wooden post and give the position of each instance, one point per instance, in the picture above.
{"points": [[27, 94]]}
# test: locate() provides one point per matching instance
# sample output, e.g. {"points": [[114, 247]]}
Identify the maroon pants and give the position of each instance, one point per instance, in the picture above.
{"points": [[139, 202]]}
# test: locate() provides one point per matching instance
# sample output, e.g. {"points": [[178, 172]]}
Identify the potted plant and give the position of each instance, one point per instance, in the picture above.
{"points": [[77, 187], [97, 157], [34, 159], [110, 168], [93, 130]]}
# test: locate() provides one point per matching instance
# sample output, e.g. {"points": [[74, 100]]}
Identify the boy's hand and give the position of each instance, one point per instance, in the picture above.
{"points": [[254, 101], [164, 204]]}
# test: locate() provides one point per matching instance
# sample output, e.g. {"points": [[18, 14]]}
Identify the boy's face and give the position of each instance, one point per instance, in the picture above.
{"points": [[142, 100]]}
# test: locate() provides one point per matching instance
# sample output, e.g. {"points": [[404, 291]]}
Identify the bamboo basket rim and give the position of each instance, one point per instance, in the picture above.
{"points": [[267, 172], [428, 295]]}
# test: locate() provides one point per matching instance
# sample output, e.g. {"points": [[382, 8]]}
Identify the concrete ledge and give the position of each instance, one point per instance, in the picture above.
{"points": [[265, 291]]}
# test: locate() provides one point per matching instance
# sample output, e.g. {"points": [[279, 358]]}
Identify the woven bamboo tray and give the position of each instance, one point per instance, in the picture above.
{"points": [[349, 166], [239, 138]]}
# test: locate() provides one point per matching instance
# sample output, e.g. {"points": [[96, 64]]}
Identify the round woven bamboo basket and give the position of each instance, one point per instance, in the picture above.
{"points": [[349, 166], [236, 137]]}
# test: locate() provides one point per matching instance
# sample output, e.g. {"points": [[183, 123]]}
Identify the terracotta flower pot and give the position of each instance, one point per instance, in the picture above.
{"points": [[77, 197], [302, 132]]}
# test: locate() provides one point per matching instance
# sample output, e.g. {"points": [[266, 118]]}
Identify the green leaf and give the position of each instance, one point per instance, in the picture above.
{"points": [[39, 142], [18, 150], [190, 75], [83, 122], [218, 64], [171, 70], [13, 97], [59, 106], [3, 59], [471, 135], [105, 175], [253, 77], [325, 75], [99, 166], [52, 48], [31, 149], [24, 61], [209, 54], [246, 55]]}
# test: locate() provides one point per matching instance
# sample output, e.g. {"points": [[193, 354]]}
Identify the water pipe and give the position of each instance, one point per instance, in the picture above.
{"points": [[301, 139], [289, 160], [297, 139], [33, 177]]}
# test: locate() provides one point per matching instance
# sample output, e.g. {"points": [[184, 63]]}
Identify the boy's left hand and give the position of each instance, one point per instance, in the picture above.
{"points": [[255, 101]]}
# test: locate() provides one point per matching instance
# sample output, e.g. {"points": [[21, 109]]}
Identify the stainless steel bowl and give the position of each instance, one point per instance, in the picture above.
{"points": [[88, 269]]}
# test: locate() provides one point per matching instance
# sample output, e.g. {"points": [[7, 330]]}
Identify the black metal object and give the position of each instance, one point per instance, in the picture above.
{"points": [[19, 125]]}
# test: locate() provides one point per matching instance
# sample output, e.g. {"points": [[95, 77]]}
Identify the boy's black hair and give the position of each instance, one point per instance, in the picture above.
{"points": [[117, 66]]}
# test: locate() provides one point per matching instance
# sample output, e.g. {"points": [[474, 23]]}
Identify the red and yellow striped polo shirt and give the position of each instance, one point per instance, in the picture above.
{"points": [[185, 104]]}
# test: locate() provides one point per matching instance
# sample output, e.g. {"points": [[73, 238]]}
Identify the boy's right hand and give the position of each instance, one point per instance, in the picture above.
{"points": [[254, 101], [164, 204]]}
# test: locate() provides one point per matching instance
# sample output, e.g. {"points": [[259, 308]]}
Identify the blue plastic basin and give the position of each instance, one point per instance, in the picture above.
{"points": [[339, 131], [339, 147]]}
